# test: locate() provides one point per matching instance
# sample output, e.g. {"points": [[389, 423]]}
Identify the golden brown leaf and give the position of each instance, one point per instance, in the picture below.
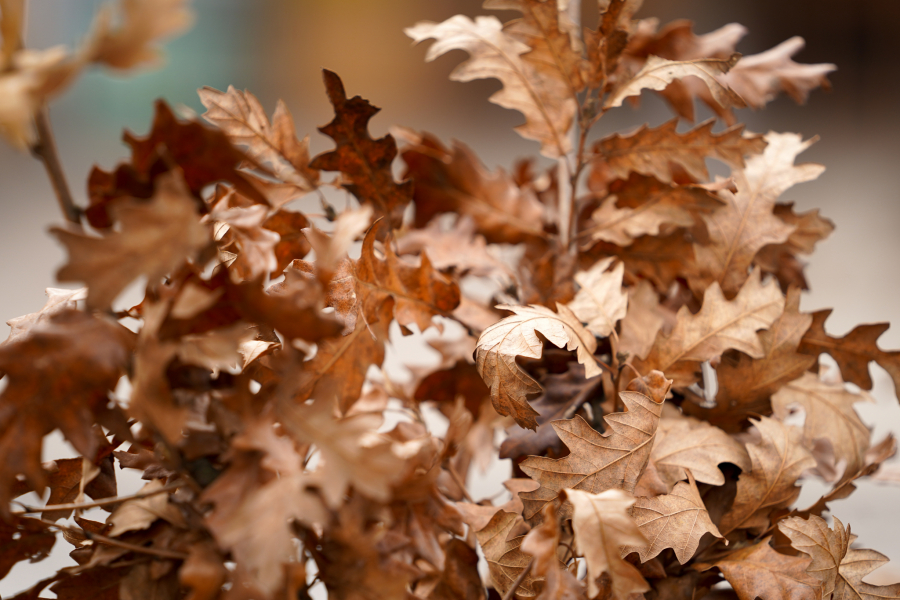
{"points": [[687, 445], [643, 320], [542, 543], [826, 547], [720, 325], [505, 558], [155, 238], [777, 459], [601, 302], [540, 94], [500, 345], [758, 571], [364, 162], [138, 514], [596, 462], [738, 230], [677, 520], [142, 23], [602, 526], [654, 151], [58, 300]]}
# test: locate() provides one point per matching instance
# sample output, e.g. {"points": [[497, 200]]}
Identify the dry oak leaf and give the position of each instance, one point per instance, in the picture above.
{"points": [[653, 151], [332, 248], [758, 571], [23, 538], [540, 94], [460, 579], [203, 572], [542, 543], [517, 335], [156, 237], [686, 445], [662, 259], [454, 180], [830, 416], [746, 384], [603, 526], [292, 243], [657, 73], [747, 223], [600, 302], [778, 459], [606, 45], [133, 515], [239, 231], [596, 462], [458, 248], [74, 356], [644, 205], [827, 548], [676, 520], [419, 293], [720, 325], [241, 116], [854, 351], [365, 163], [643, 320], [58, 300], [505, 558]]}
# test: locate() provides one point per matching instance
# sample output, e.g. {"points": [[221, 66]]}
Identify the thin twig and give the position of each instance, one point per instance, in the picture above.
{"points": [[45, 150], [101, 502], [96, 537], [512, 590]]}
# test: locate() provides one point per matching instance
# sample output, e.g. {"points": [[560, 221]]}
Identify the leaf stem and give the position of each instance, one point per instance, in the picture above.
{"points": [[96, 537], [511, 592], [45, 150], [101, 502]]}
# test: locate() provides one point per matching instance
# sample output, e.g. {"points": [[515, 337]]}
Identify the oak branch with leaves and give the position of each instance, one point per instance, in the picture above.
{"points": [[640, 356]]}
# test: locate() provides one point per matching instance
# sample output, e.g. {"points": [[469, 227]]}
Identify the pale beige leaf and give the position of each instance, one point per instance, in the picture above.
{"points": [[156, 236], [778, 459], [677, 520], [332, 248], [57, 300], [539, 95], [142, 23], [643, 320], [658, 72], [500, 344], [138, 514], [601, 302], [686, 445], [602, 526], [505, 559], [830, 416]]}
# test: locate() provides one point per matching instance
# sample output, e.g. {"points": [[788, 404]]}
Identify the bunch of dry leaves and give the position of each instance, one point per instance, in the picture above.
{"points": [[627, 328]]}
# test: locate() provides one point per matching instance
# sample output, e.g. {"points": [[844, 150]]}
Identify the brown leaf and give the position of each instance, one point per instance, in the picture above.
{"points": [[141, 24], [854, 351], [602, 526], [777, 459], [658, 72], [459, 580], [23, 538], [239, 231], [542, 543], [738, 230], [138, 514], [677, 520], [597, 461], [203, 572], [364, 162], [646, 206], [454, 180], [642, 321], [600, 302], [826, 547], [156, 237], [459, 248], [829, 416], [720, 325], [74, 356], [500, 344], [58, 300], [758, 571], [241, 116], [505, 559], [332, 249], [540, 94], [653, 151]]}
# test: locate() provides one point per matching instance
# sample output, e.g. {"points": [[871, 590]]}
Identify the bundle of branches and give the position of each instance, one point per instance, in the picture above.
{"points": [[637, 345]]}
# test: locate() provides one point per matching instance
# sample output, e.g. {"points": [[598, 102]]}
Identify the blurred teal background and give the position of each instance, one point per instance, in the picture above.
{"points": [[276, 48]]}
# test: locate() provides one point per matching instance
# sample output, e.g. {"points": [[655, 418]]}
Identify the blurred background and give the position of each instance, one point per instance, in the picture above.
{"points": [[276, 48]]}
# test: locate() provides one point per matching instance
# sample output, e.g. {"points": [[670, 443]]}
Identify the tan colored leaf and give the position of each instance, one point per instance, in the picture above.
{"points": [[777, 459], [760, 77], [687, 445], [505, 559], [654, 151], [662, 259], [241, 116], [514, 336], [142, 23], [458, 248], [854, 351], [539, 94], [203, 572], [645, 206], [454, 180], [658, 72], [720, 325], [738, 230], [825, 546], [332, 248], [602, 526], [58, 300], [155, 238], [597, 462], [542, 543], [138, 514], [239, 231], [643, 320], [746, 384], [601, 302], [758, 571], [830, 416], [677, 520]]}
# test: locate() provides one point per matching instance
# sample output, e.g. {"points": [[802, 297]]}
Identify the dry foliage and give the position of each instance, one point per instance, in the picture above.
{"points": [[258, 419]]}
